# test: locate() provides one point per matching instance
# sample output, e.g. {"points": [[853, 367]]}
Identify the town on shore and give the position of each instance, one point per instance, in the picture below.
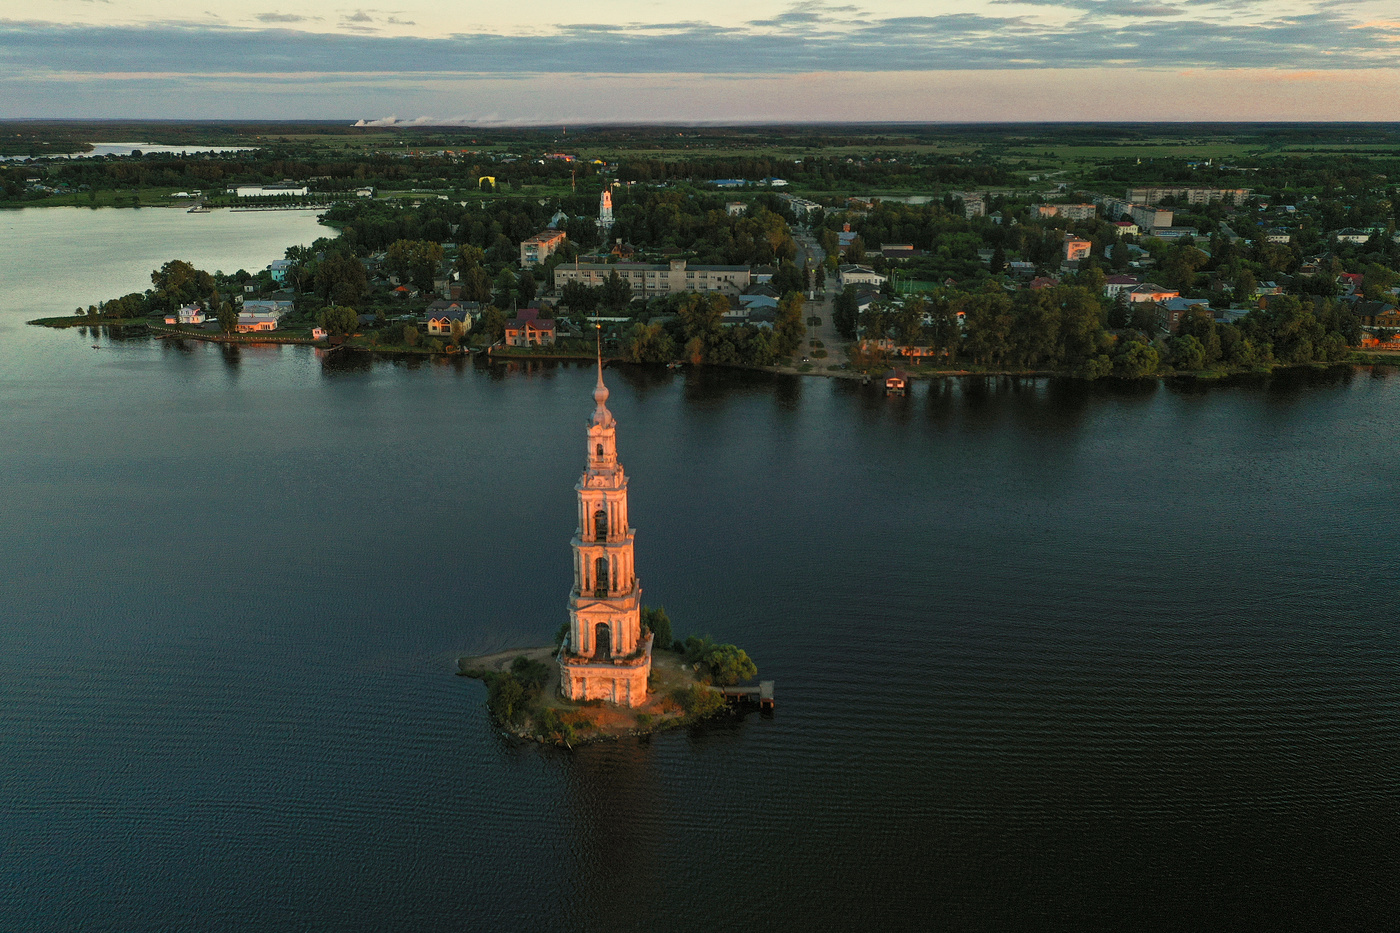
{"points": [[1125, 267]]}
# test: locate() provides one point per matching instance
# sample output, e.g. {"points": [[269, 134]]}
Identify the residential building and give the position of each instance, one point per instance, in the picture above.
{"points": [[278, 308], [1115, 284], [974, 206], [1076, 248], [189, 314], [1376, 314], [1126, 227], [1069, 211], [529, 330], [1150, 292], [734, 208], [248, 323], [279, 268], [648, 279], [1173, 311], [538, 248], [1149, 219], [1352, 235], [454, 320], [1236, 196]]}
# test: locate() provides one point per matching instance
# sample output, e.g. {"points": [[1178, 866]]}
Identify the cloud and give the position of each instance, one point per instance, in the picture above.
{"points": [[1322, 39], [281, 18]]}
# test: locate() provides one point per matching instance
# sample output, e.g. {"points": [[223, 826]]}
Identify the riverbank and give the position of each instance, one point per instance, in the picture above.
{"points": [[513, 354], [676, 697]]}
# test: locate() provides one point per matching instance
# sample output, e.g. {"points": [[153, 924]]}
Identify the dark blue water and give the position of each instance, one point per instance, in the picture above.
{"points": [[1047, 656]]}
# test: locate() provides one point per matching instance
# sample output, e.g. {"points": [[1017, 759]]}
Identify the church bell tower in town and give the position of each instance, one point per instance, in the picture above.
{"points": [[605, 656]]}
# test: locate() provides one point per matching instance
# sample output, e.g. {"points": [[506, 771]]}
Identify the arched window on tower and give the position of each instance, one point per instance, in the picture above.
{"points": [[600, 525], [600, 451], [602, 641], [600, 577]]}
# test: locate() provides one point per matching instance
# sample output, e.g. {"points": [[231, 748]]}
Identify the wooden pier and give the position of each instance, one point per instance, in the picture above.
{"points": [[762, 694]]}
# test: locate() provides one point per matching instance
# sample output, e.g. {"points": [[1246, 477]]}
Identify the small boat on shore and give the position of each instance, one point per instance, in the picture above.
{"points": [[199, 209]]}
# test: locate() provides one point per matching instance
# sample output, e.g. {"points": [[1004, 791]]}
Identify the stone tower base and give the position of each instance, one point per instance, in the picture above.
{"points": [[620, 682]]}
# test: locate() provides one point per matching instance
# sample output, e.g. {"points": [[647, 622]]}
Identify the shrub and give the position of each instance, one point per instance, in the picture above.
{"points": [[699, 701], [725, 664], [658, 623]]}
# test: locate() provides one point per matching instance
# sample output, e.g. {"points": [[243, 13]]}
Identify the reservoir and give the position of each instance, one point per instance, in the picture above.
{"points": [[1051, 655]]}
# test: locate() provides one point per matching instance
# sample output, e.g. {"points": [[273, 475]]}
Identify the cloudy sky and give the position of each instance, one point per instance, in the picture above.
{"points": [[455, 61]]}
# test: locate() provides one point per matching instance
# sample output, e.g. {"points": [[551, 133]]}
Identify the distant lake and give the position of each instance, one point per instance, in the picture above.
{"points": [[1048, 655], [126, 149]]}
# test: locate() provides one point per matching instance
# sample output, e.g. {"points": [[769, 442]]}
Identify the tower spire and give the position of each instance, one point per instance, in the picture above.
{"points": [[601, 415]]}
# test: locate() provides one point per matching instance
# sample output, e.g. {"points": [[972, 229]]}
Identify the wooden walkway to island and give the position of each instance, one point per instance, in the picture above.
{"points": [[762, 694]]}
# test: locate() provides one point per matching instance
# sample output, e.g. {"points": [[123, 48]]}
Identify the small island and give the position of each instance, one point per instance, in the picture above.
{"points": [[685, 686], [616, 667]]}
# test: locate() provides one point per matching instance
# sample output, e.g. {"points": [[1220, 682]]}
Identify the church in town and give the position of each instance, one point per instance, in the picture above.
{"points": [[605, 656]]}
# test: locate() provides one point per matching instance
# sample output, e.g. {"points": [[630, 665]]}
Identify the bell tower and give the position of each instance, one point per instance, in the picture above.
{"points": [[605, 656]]}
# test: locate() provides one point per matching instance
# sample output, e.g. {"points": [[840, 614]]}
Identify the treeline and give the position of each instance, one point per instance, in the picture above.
{"points": [[689, 221], [1070, 328], [321, 168], [905, 170], [689, 328]]}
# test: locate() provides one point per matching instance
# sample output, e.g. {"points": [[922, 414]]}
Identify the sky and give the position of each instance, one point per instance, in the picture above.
{"points": [[456, 62]]}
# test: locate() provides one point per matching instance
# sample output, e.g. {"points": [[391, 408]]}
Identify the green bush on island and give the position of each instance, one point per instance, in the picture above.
{"points": [[725, 664], [509, 694], [699, 701], [658, 623]]}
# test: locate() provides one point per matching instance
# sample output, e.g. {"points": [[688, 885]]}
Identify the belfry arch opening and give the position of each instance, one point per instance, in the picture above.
{"points": [[600, 451], [602, 641], [600, 525], [600, 577]]}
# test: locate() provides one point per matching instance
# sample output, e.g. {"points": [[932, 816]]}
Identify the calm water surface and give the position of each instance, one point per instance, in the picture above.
{"points": [[1047, 656]]}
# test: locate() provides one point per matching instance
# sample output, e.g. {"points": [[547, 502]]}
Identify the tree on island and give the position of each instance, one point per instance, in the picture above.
{"points": [[725, 664], [658, 623]]}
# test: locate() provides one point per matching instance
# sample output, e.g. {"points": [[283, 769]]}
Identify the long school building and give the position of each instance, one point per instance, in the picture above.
{"points": [[650, 279]]}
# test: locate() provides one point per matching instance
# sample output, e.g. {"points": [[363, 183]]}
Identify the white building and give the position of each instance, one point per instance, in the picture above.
{"points": [[605, 214], [271, 191], [189, 314], [858, 275], [648, 279]]}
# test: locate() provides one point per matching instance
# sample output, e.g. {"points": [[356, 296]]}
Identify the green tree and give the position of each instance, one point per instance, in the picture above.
{"points": [[787, 326], [228, 317], [415, 261], [1136, 360], [844, 312], [493, 324], [527, 286], [177, 283], [339, 319], [616, 293], [649, 343], [1188, 353], [658, 623], [341, 278]]}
